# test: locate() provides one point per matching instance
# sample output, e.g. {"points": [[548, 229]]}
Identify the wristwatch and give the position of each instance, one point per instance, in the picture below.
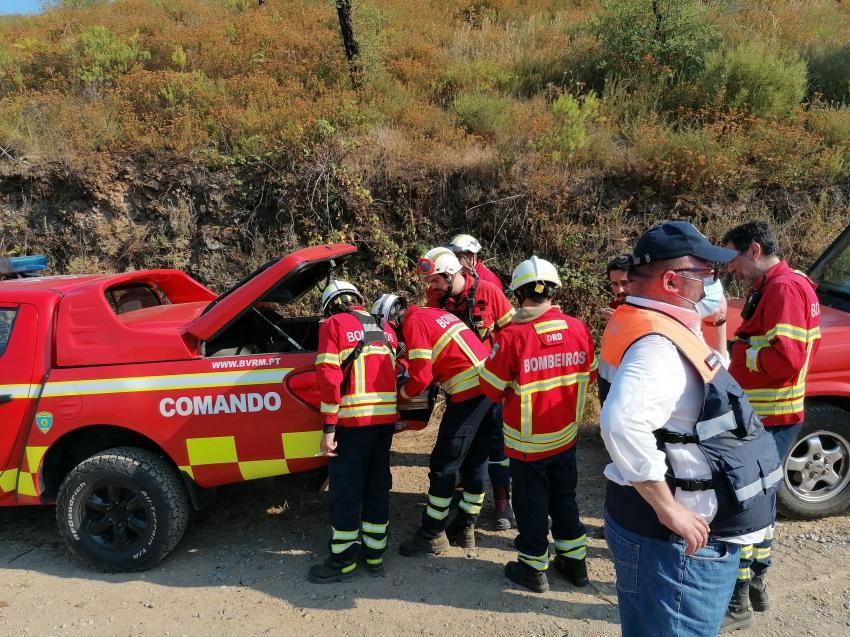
{"points": [[716, 323]]}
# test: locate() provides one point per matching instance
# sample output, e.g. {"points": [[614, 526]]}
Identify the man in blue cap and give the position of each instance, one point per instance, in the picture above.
{"points": [[693, 475]]}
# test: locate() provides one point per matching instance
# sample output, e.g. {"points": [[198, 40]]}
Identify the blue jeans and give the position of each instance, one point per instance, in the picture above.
{"points": [[662, 592]]}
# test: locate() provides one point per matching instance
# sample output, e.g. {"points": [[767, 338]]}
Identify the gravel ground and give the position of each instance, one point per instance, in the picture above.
{"points": [[241, 570]]}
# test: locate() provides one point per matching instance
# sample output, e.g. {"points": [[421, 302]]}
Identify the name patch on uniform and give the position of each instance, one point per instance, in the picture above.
{"points": [[447, 319], [549, 361]]}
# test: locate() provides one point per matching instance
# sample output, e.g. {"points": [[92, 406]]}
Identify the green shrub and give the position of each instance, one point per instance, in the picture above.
{"points": [[479, 76], [829, 74], [100, 56], [685, 160], [178, 56], [10, 75], [754, 77], [570, 128], [575, 69], [483, 113], [664, 37], [833, 126]]}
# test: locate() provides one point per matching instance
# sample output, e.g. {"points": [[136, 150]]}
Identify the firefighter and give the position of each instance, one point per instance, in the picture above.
{"points": [[541, 366], [484, 308], [618, 282], [355, 366], [770, 354], [466, 248], [440, 348]]}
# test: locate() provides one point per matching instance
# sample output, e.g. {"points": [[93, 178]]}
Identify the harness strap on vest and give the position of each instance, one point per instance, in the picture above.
{"points": [[373, 332], [674, 437], [691, 484]]}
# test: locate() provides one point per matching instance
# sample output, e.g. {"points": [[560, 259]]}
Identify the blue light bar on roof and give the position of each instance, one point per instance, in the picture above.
{"points": [[23, 265]]}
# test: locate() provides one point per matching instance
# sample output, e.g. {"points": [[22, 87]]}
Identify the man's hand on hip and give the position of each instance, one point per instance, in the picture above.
{"points": [[689, 525]]}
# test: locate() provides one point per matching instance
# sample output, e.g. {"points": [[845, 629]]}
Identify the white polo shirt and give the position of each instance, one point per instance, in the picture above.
{"points": [[653, 387]]}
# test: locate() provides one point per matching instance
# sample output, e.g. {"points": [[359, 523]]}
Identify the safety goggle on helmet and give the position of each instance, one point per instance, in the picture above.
{"points": [[438, 261]]}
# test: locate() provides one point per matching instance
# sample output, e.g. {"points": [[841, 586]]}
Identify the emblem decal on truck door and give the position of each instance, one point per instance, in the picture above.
{"points": [[44, 421]]}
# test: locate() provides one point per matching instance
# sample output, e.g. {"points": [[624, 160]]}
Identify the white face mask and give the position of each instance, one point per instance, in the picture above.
{"points": [[713, 297]]}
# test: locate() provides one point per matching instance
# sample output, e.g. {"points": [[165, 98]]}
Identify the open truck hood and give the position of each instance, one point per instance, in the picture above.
{"points": [[281, 280]]}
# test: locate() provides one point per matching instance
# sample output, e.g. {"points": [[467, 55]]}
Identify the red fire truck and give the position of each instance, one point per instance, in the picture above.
{"points": [[126, 398]]}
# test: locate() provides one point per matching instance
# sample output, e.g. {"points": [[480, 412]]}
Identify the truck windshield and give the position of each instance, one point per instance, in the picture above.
{"points": [[832, 271]]}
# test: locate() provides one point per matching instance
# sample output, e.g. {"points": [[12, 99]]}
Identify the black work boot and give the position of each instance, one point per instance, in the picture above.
{"points": [[524, 575], [332, 570], [573, 570], [461, 534], [738, 615], [758, 593], [503, 512], [376, 568], [421, 544]]}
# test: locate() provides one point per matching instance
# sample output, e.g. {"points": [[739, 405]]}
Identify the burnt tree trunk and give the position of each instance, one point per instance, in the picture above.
{"points": [[349, 41]]}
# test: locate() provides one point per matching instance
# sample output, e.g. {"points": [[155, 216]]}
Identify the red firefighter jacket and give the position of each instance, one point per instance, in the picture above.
{"points": [[440, 347], [541, 367], [369, 397], [771, 351], [486, 274], [492, 309]]}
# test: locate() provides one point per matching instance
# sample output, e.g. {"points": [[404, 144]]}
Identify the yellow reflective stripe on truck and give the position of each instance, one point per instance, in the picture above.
{"points": [[214, 450], [19, 391], [161, 383]]}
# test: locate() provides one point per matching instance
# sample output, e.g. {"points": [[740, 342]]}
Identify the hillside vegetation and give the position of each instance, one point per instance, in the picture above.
{"points": [[210, 134]]}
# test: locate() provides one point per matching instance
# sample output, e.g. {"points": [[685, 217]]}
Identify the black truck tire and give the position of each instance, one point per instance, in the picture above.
{"points": [[123, 509], [822, 446]]}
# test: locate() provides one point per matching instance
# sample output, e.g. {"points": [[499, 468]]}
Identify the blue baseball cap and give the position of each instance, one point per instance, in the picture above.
{"points": [[674, 239]]}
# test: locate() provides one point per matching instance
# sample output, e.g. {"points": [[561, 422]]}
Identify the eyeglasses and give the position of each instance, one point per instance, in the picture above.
{"points": [[712, 272], [425, 266]]}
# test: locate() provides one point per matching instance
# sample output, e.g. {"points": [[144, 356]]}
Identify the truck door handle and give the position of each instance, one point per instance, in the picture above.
{"points": [[6, 398]]}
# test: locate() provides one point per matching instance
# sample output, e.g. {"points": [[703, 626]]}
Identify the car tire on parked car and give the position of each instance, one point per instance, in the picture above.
{"points": [[817, 467], [123, 509]]}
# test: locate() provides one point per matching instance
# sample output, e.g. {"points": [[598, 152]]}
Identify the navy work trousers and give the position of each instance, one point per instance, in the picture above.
{"points": [[462, 442], [360, 483], [544, 488]]}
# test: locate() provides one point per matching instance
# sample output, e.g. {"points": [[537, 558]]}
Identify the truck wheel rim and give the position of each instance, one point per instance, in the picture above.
{"points": [[116, 517], [818, 466]]}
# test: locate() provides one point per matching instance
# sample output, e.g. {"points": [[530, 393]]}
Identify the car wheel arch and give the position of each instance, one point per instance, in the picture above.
{"points": [[829, 415], [81, 443]]}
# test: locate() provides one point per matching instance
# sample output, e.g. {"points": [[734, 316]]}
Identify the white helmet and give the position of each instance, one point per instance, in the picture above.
{"points": [[337, 289], [533, 270], [464, 243], [438, 261], [390, 308]]}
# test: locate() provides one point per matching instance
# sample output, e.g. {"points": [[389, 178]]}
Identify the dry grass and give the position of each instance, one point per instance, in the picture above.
{"points": [[469, 119]]}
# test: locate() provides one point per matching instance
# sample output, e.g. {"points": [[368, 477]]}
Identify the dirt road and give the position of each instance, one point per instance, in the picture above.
{"points": [[241, 570]]}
